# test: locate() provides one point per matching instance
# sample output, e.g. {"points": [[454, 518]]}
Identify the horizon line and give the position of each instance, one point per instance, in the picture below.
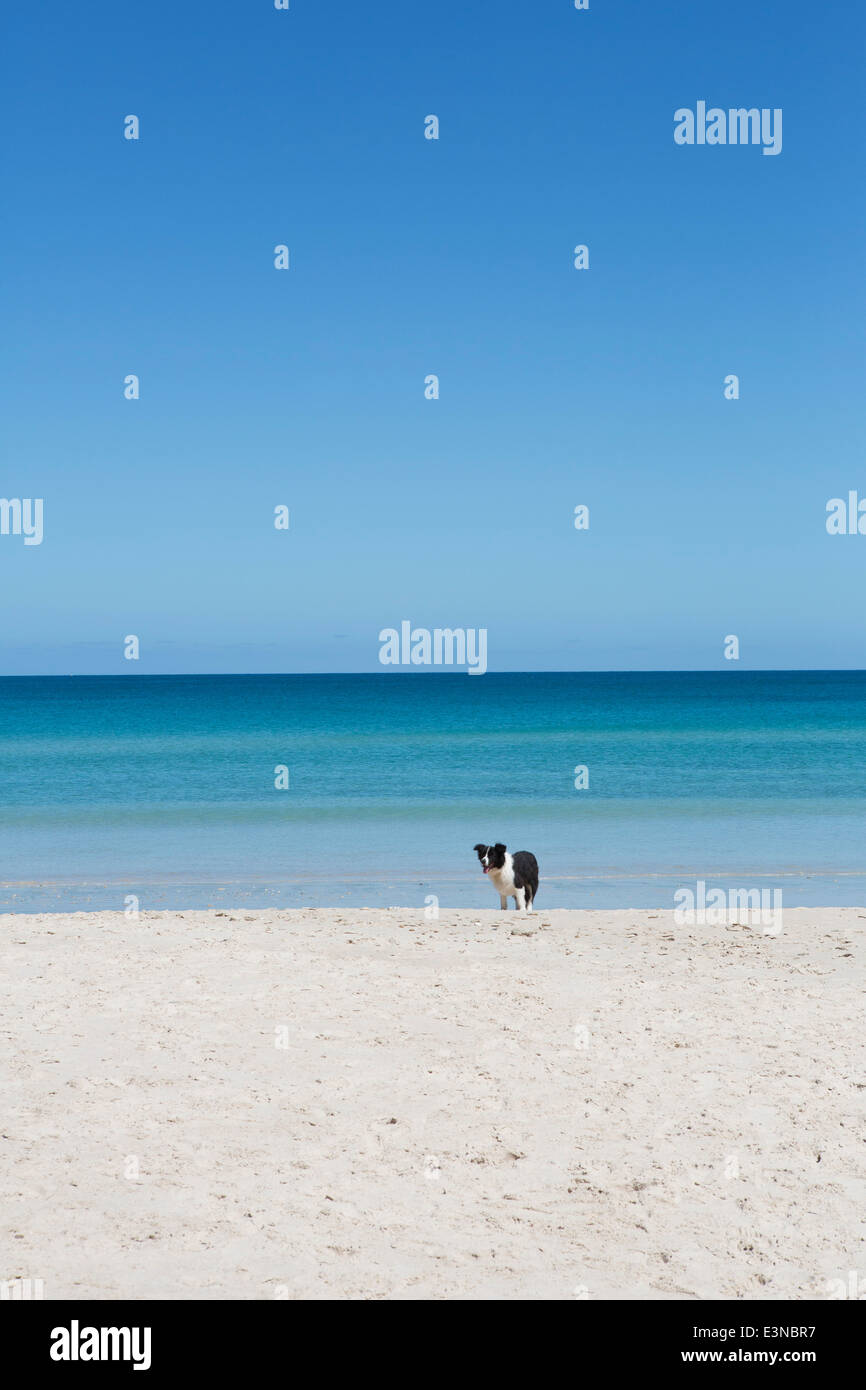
{"points": [[438, 671]]}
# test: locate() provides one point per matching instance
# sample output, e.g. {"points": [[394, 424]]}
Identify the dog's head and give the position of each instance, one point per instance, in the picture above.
{"points": [[491, 856]]}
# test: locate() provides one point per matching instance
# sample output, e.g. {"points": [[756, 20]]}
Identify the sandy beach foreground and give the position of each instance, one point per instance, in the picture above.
{"points": [[368, 1104]]}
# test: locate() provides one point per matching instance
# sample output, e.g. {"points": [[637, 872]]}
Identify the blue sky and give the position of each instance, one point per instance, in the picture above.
{"points": [[411, 257]]}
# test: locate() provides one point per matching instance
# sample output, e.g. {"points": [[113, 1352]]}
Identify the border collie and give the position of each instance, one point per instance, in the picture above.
{"points": [[512, 875]]}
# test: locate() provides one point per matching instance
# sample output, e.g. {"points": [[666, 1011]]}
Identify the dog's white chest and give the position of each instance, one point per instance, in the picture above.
{"points": [[503, 879]]}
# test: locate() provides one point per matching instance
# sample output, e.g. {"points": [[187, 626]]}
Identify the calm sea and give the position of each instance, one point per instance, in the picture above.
{"points": [[164, 787]]}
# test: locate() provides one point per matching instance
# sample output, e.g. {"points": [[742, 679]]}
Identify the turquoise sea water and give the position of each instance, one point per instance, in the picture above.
{"points": [[163, 787]]}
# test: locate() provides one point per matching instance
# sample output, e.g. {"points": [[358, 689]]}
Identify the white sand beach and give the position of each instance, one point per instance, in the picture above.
{"points": [[369, 1105]]}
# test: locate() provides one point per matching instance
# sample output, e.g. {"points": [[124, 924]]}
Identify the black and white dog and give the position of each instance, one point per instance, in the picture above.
{"points": [[512, 875]]}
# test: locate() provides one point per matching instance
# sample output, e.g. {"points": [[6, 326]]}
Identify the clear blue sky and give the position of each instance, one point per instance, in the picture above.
{"points": [[411, 257]]}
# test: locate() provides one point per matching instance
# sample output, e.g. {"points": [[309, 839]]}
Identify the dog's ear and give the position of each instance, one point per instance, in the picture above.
{"points": [[498, 846], [479, 848]]}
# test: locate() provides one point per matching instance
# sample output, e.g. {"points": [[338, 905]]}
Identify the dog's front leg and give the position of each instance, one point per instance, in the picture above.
{"points": [[503, 902]]}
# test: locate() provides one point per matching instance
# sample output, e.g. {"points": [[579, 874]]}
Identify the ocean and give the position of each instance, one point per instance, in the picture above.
{"points": [[163, 787]]}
